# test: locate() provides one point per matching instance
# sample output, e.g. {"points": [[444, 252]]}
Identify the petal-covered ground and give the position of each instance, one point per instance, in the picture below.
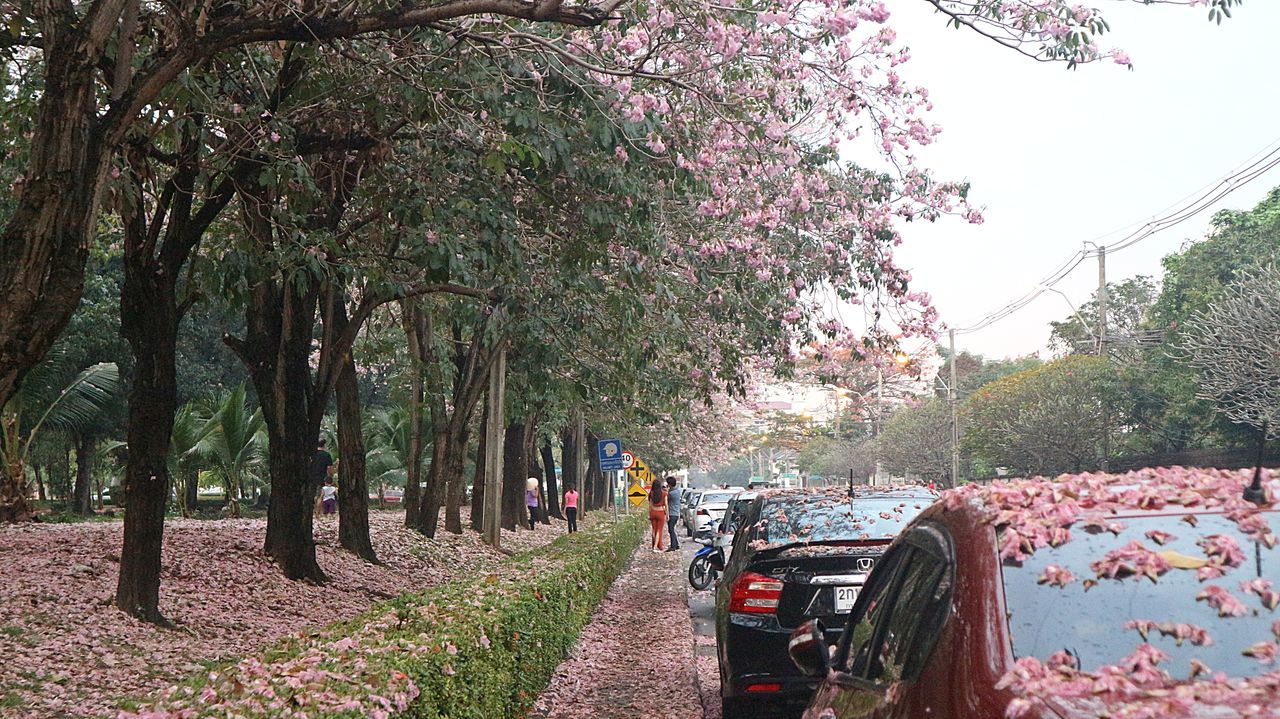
{"points": [[68, 652], [635, 657]]}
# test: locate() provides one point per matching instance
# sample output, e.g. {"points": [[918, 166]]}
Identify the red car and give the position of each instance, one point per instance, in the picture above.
{"points": [[1151, 594]]}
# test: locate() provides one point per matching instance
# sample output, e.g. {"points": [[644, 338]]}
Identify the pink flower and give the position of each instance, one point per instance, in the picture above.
{"points": [[1264, 652], [1222, 600], [1056, 576]]}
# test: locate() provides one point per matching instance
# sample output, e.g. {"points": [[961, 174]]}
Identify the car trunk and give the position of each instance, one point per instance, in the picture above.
{"points": [[813, 574]]}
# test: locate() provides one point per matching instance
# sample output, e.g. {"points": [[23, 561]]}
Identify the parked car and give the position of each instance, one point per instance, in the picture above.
{"points": [[686, 512], [711, 506], [732, 520], [797, 555], [390, 495], [1139, 595]]}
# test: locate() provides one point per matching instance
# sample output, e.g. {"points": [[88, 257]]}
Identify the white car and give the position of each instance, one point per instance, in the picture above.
{"points": [[732, 518], [711, 504], [686, 511]]}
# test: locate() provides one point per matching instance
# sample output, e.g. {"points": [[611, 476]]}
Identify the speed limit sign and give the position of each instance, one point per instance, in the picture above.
{"points": [[628, 460]]}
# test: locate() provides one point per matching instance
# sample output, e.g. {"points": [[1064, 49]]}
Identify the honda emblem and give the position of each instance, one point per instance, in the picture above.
{"points": [[865, 564]]}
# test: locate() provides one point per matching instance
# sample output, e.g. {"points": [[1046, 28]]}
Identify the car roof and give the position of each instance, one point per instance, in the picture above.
{"points": [[859, 492]]}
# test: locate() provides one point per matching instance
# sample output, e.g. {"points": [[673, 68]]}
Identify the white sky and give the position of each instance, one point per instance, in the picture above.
{"points": [[1058, 157]]}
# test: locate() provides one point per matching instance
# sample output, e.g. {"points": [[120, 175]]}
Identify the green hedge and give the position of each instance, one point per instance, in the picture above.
{"points": [[482, 647]]}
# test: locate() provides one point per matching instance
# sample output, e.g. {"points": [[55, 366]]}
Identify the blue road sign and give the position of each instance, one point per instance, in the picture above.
{"points": [[610, 453]]}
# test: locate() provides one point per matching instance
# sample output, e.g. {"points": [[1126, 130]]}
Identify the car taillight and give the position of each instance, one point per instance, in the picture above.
{"points": [[704, 513], [756, 688], [755, 594]]}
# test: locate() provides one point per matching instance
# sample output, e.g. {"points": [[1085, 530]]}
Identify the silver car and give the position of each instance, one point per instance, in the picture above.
{"points": [[710, 505]]}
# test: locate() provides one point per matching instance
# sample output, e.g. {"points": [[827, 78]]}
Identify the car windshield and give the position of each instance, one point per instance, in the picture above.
{"points": [[717, 497], [794, 518], [737, 510], [1089, 621]]}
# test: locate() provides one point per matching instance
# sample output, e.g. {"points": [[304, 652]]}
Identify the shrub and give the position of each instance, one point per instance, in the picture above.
{"points": [[477, 648]]}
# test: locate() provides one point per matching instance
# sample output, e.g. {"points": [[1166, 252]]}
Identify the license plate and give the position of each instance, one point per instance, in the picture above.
{"points": [[845, 597]]}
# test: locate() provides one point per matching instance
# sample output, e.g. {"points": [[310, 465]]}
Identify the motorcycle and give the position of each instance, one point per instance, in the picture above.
{"points": [[707, 563]]}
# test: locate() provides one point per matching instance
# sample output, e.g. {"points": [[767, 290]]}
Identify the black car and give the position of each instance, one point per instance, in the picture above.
{"points": [[798, 555]]}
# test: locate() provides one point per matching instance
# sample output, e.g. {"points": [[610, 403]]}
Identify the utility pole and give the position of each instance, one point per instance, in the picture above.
{"points": [[1102, 351], [879, 419], [955, 423], [1102, 301]]}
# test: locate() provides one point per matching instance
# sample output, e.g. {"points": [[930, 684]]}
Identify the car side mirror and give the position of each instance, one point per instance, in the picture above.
{"points": [[808, 649]]}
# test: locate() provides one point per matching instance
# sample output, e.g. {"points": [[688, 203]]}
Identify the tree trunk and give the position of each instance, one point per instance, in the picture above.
{"points": [[149, 319], [15, 506], [353, 487], [40, 490], [477, 480], [433, 495], [80, 499], [46, 241], [535, 471], [514, 473], [595, 478], [451, 409], [411, 319], [192, 487], [280, 319], [152, 403], [455, 459], [553, 486], [569, 466]]}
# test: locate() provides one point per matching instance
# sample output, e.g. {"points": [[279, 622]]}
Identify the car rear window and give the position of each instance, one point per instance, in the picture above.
{"points": [[717, 497], [792, 519], [1088, 622]]}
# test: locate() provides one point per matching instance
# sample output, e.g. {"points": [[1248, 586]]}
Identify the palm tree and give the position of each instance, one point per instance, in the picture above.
{"points": [[387, 437], [47, 403], [190, 425], [233, 438]]}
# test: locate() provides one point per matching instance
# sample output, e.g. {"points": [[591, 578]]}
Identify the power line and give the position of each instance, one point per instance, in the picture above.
{"points": [[1196, 203]]}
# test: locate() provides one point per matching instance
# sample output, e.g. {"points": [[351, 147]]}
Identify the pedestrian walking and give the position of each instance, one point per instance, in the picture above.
{"points": [[329, 497], [321, 468], [531, 500], [571, 508], [657, 513], [674, 494]]}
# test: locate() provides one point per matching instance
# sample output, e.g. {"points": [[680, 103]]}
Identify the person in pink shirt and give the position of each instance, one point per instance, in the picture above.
{"points": [[571, 508]]}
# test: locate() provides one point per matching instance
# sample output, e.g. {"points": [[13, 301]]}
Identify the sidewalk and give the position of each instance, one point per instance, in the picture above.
{"points": [[635, 657]]}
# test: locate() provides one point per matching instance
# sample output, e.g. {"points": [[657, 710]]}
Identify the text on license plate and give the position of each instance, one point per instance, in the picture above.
{"points": [[845, 597]]}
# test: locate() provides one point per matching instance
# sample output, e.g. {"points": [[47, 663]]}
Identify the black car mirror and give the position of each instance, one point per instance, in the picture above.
{"points": [[808, 649]]}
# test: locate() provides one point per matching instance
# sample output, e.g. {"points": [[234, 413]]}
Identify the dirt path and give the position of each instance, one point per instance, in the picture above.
{"points": [[636, 657]]}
